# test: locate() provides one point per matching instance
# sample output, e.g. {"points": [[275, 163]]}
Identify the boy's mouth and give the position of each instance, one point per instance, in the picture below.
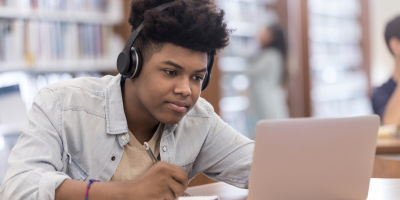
{"points": [[178, 106]]}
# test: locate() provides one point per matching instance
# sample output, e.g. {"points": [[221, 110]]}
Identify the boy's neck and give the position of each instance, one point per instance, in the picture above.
{"points": [[141, 124]]}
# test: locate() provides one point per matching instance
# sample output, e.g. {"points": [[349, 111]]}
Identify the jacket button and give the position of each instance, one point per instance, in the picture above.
{"points": [[164, 149], [113, 158]]}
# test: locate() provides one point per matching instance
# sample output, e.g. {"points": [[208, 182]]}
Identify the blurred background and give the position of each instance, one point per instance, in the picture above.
{"points": [[286, 58]]}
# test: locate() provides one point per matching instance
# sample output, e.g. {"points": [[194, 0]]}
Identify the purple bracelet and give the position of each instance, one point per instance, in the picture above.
{"points": [[88, 186]]}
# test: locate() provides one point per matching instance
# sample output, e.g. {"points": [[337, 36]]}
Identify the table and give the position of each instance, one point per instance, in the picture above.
{"points": [[380, 189], [389, 145]]}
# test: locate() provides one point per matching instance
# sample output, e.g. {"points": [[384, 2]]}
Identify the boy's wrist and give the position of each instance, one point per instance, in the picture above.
{"points": [[108, 190], [121, 190]]}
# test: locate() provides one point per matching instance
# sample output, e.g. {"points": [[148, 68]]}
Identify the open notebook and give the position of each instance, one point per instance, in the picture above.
{"points": [[199, 198]]}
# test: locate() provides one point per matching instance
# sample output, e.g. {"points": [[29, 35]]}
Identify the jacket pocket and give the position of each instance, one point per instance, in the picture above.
{"points": [[76, 171]]}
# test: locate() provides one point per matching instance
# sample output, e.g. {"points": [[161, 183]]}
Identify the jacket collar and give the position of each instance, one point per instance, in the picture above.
{"points": [[115, 115]]}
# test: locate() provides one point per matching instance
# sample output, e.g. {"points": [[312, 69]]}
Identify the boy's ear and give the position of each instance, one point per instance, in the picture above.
{"points": [[394, 44]]}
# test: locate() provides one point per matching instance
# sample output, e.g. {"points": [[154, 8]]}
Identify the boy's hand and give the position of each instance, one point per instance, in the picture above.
{"points": [[161, 181]]}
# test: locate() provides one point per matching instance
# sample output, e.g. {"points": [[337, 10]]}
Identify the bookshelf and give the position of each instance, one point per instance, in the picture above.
{"points": [[59, 36], [329, 58], [338, 58]]}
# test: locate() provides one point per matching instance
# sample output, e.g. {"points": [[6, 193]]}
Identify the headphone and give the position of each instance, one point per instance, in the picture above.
{"points": [[129, 62]]}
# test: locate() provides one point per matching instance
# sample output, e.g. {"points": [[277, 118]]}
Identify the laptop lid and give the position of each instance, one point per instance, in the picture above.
{"points": [[313, 158]]}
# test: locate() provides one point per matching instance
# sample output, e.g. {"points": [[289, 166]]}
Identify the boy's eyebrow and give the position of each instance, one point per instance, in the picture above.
{"points": [[168, 62]]}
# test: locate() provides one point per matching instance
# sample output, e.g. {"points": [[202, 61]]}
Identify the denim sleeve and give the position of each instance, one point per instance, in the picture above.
{"points": [[226, 154], [35, 162]]}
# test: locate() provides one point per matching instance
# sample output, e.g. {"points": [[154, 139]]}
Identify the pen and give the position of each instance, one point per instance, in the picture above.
{"points": [[154, 159], [150, 152]]}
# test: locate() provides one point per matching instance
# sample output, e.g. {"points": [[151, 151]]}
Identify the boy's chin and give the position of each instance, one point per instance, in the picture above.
{"points": [[172, 120]]}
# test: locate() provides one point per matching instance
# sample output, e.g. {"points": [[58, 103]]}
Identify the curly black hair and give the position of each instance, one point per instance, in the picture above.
{"points": [[194, 24]]}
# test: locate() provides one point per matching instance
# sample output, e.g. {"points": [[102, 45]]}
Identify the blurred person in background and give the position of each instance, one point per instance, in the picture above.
{"points": [[386, 98], [268, 74]]}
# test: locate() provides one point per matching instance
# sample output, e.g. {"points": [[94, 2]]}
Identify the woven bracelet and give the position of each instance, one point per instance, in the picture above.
{"points": [[88, 186]]}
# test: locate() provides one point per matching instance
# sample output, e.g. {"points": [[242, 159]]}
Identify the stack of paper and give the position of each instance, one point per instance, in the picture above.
{"points": [[199, 198]]}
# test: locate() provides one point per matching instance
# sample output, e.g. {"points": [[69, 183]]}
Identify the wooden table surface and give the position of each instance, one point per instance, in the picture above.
{"points": [[389, 145], [380, 189]]}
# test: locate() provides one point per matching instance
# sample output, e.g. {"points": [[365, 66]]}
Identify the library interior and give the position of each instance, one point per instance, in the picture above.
{"points": [[286, 60]]}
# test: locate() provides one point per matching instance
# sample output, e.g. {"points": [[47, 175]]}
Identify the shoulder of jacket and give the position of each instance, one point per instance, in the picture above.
{"points": [[86, 83], [202, 109]]}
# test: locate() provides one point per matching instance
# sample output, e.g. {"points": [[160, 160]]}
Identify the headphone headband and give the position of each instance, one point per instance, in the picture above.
{"points": [[136, 32]]}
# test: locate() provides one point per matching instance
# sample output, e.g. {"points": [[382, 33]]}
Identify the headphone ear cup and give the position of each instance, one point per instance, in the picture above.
{"points": [[210, 63], [123, 62], [206, 81], [136, 63]]}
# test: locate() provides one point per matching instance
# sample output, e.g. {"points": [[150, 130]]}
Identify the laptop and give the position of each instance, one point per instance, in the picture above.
{"points": [[313, 158]]}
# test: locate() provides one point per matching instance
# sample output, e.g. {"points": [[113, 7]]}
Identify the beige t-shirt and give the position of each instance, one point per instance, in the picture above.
{"points": [[135, 160]]}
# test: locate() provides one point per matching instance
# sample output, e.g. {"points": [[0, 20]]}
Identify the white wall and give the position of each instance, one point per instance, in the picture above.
{"points": [[381, 11]]}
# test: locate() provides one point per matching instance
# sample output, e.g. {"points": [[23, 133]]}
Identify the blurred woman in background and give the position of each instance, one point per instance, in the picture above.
{"points": [[268, 75]]}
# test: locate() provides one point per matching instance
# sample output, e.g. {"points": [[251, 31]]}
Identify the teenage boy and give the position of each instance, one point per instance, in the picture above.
{"points": [[386, 98], [91, 128]]}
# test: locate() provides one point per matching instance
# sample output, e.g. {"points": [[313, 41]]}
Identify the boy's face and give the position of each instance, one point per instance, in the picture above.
{"points": [[169, 84]]}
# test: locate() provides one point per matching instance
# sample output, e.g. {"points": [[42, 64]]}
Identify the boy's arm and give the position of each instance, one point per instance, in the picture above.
{"points": [[391, 114], [73, 189], [161, 181], [35, 162], [226, 154]]}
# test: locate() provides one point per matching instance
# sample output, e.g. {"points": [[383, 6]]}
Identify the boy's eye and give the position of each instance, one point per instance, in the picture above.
{"points": [[198, 78], [169, 72]]}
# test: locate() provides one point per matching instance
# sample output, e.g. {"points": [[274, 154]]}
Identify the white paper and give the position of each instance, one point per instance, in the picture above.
{"points": [[199, 198]]}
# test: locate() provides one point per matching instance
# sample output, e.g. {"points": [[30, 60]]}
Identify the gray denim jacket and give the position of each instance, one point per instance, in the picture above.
{"points": [[75, 132]]}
